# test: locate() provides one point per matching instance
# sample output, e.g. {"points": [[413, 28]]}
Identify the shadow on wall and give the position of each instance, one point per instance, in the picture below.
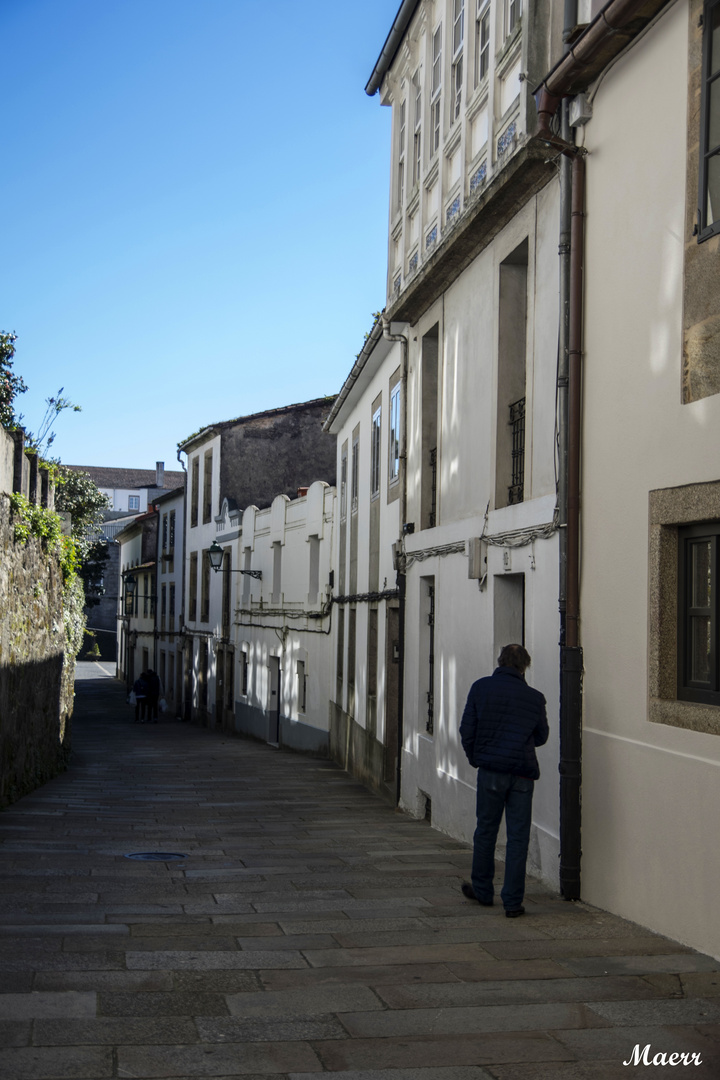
{"points": [[34, 726]]}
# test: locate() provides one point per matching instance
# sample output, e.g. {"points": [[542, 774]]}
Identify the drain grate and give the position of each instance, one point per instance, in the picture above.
{"points": [[156, 856]]}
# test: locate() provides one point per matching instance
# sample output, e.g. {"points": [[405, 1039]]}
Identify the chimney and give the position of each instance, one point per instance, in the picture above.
{"points": [[160, 474]]}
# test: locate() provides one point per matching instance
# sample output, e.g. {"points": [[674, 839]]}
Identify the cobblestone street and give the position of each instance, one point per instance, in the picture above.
{"points": [[309, 929]]}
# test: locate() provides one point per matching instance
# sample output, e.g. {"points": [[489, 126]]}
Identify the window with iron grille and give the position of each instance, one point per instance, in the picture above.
{"points": [[699, 613], [432, 517], [355, 476], [517, 423], [709, 191]]}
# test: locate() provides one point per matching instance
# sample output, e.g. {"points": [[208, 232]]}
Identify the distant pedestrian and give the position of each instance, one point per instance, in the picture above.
{"points": [[140, 689], [153, 695], [504, 720]]}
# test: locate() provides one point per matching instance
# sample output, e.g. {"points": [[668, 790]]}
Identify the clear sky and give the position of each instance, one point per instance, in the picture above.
{"points": [[194, 205]]}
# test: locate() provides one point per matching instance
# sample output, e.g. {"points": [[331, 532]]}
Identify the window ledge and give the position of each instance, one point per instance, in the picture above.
{"points": [[685, 714]]}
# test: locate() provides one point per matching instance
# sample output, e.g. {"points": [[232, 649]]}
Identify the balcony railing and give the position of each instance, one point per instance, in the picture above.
{"points": [[517, 423]]}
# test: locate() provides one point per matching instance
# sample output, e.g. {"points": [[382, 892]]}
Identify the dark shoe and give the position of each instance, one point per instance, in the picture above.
{"points": [[514, 913], [467, 890]]}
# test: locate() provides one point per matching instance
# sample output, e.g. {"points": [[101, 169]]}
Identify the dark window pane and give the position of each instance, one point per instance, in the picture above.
{"points": [[700, 649], [712, 210], [714, 16], [714, 117], [700, 562]]}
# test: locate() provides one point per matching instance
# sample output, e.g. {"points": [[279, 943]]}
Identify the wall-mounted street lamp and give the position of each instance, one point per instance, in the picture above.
{"points": [[216, 554]]}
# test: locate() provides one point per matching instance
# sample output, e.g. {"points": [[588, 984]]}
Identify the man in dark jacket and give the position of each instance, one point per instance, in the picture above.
{"points": [[504, 720]]}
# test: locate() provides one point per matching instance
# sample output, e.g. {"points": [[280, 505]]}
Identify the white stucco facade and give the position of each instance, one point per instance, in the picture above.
{"points": [[518, 600], [367, 421], [651, 790], [281, 622]]}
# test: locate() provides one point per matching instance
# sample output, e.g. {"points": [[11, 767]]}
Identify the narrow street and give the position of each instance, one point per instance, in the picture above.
{"points": [[309, 929]]}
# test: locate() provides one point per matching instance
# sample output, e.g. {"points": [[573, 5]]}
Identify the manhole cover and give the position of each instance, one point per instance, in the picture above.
{"points": [[156, 856]]}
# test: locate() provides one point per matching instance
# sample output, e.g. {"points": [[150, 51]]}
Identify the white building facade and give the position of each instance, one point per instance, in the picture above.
{"points": [[368, 421], [651, 478], [276, 570], [169, 577], [473, 288]]}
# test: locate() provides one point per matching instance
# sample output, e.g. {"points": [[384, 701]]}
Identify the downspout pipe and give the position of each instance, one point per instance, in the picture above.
{"points": [[401, 577], [569, 403]]}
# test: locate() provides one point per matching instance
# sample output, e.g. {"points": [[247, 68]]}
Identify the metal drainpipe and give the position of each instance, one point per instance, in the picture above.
{"points": [[569, 404], [571, 652], [401, 579]]}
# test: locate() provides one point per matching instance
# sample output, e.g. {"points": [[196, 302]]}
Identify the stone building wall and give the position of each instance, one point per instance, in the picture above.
{"points": [[36, 684]]}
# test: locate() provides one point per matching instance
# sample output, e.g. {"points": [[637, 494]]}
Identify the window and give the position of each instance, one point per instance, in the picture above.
{"points": [[343, 484], [314, 569], [709, 195], [435, 91], [146, 596], [457, 68], [276, 595], [194, 486], [401, 158], [417, 136], [513, 10], [205, 593], [354, 479], [133, 502], [244, 673], [226, 593], [171, 609], [192, 587], [482, 41], [163, 607], [207, 487], [164, 532], [375, 455], [171, 536], [394, 440], [698, 594], [302, 686]]}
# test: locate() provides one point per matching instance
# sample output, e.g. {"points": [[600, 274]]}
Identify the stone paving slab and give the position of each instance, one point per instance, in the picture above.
{"points": [[312, 930]]}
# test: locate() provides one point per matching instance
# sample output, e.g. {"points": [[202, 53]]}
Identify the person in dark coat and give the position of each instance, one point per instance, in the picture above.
{"points": [[140, 689], [153, 695], [504, 720]]}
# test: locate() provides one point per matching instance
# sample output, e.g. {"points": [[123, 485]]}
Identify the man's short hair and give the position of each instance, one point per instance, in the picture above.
{"points": [[514, 656]]}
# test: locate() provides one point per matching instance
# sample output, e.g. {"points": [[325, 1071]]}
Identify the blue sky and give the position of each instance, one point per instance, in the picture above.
{"points": [[194, 210]]}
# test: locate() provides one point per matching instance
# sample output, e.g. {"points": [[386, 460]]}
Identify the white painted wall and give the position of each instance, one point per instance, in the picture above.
{"points": [[374, 382], [651, 793], [264, 628], [465, 646]]}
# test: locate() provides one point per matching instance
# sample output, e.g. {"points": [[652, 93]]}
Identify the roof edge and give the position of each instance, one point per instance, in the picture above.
{"points": [[392, 44]]}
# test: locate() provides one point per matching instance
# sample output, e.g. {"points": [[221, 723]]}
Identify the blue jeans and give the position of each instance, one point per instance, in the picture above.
{"points": [[498, 792]]}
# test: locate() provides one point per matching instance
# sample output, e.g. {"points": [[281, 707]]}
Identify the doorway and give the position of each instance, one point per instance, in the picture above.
{"points": [[274, 701]]}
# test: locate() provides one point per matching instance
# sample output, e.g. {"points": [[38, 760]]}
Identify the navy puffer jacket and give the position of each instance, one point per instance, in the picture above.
{"points": [[504, 720]]}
